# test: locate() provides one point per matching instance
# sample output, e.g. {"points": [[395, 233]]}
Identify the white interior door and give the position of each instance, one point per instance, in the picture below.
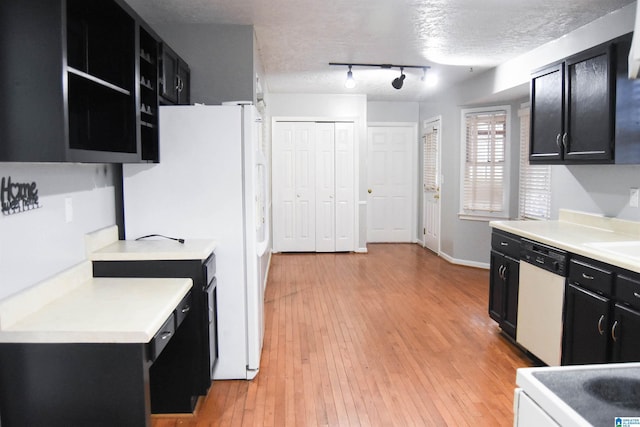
{"points": [[325, 188], [294, 187], [431, 184], [313, 187], [390, 153], [345, 194]]}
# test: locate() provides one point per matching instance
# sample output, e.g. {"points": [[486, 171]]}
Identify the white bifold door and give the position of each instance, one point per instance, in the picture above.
{"points": [[313, 187]]}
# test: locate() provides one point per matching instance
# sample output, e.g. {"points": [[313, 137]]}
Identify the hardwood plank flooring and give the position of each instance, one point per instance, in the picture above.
{"points": [[395, 337]]}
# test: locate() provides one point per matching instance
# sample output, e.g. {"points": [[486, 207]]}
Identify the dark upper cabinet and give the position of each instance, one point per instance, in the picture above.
{"points": [[175, 78], [582, 109], [71, 82], [547, 114]]}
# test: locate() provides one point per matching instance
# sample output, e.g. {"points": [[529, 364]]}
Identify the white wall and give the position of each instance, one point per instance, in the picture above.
{"points": [[598, 189], [332, 107], [39, 243]]}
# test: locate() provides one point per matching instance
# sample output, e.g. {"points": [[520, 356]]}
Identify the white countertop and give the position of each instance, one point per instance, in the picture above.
{"points": [[574, 234], [75, 308], [127, 250]]}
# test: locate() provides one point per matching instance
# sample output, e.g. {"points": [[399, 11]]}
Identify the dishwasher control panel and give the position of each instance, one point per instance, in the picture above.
{"points": [[543, 256]]}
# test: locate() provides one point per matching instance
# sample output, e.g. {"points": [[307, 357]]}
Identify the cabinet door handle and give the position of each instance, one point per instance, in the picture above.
{"points": [[600, 325], [186, 309], [637, 295], [586, 276], [613, 331], [565, 138], [165, 335], [504, 243], [558, 136], [500, 271]]}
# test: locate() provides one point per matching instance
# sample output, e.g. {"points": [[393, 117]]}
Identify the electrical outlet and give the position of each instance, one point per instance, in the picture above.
{"points": [[633, 197]]}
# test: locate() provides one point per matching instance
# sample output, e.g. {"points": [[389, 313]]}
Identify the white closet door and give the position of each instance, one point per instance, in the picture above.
{"points": [[325, 188], [313, 187], [294, 187], [390, 160], [345, 187]]}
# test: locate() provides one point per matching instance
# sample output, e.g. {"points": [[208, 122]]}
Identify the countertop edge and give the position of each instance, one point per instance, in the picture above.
{"points": [[593, 253]]}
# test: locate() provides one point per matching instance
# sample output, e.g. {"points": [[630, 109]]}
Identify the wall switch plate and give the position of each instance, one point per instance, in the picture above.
{"points": [[68, 209], [633, 197]]}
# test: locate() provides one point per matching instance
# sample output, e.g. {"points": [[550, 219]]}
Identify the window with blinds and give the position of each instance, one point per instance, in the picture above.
{"points": [[535, 180], [430, 158], [485, 140]]}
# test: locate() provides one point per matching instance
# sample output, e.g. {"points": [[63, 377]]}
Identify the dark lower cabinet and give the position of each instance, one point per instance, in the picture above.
{"points": [[586, 325], [504, 280], [503, 291], [625, 334], [602, 314], [175, 392]]}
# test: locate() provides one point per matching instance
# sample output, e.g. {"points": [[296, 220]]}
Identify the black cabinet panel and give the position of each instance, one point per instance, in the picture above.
{"points": [[547, 114], [175, 77], [585, 109], [625, 333], [589, 99], [586, 336], [504, 281], [71, 83]]}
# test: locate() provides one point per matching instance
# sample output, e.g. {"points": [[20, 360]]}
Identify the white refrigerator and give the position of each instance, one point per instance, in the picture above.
{"points": [[211, 183]]}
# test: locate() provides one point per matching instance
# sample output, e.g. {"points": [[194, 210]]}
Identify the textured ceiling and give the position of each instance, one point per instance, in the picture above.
{"points": [[457, 38]]}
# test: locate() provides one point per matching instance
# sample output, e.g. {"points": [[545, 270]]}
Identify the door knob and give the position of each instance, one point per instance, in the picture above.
{"points": [[369, 191]]}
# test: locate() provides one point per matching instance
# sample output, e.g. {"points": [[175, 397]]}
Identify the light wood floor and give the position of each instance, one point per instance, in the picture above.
{"points": [[395, 337]]}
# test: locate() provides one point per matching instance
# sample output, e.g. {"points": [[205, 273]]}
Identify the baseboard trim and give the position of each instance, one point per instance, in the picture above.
{"points": [[464, 262]]}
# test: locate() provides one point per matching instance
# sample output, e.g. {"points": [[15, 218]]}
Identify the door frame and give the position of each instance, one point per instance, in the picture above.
{"points": [[356, 164], [425, 123], [414, 182]]}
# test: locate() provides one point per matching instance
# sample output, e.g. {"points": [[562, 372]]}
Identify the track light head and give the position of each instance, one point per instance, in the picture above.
{"points": [[350, 83], [399, 81]]}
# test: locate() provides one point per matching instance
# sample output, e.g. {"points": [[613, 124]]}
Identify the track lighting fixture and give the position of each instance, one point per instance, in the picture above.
{"points": [[397, 83], [350, 83]]}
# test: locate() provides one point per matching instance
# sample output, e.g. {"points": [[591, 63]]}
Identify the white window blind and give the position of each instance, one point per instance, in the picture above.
{"points": [[483, 192], [535, 180], [430, 159]]}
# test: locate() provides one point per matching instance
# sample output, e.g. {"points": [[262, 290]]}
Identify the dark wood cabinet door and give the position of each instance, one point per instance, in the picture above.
{"points": [[589, 86], [169, 75], [512, 274], [586, 327], [625, 333], [503, 291], [184, 83], [547, 114], [496, 287]]}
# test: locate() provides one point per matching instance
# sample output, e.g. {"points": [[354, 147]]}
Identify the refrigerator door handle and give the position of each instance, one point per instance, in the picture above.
{"points": [[261, 246]]}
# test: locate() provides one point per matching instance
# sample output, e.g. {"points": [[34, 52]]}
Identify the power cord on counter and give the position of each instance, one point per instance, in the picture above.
{"points": [[160, 235]]}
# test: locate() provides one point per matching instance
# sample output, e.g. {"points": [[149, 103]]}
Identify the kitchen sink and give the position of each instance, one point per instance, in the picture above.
{"points": [[628, 249], [618, 391]]}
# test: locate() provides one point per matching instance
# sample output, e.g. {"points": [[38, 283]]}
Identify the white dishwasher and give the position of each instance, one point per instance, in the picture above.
{"points": [[541, 300]]}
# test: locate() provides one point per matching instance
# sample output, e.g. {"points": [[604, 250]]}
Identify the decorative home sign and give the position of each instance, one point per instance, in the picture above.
{"points": [[18, 197]]}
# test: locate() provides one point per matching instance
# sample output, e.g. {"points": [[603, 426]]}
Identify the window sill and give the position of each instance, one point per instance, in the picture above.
{"points": [[485, 218]]}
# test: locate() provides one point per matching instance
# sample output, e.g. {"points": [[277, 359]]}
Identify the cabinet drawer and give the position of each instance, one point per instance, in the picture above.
{"points": [[591, 277], [507, 244], [161, 338], [628, 291], [183, 309]]}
